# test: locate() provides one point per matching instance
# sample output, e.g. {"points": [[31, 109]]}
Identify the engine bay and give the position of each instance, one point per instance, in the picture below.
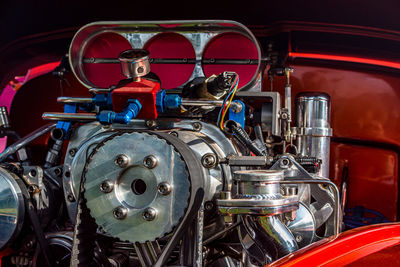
{"points": [[177, 156]]}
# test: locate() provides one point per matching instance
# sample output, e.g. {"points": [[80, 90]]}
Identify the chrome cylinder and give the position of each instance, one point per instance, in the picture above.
{"points": [[258, 194], [134, 63], [266, 238], [313, 128]]}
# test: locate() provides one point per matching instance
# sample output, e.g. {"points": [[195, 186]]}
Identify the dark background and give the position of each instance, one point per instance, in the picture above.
{"points": [[22, 18]]}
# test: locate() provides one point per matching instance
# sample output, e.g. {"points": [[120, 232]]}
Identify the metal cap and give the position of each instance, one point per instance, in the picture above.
{"points": [[134, 62]]}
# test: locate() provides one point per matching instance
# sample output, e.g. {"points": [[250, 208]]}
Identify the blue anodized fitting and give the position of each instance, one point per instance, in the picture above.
{"points": [[124, 117], [166, 101]]}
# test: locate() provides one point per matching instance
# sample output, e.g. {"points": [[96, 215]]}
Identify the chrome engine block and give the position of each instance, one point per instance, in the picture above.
{"points": [[168, 181]]}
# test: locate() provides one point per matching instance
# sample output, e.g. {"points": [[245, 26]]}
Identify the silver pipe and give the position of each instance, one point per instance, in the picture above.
{"points": [[215, 103], [336, 196], [99, 90], [67, 99], [26, 140], [313, 128], [59, 116], [271, 238]]}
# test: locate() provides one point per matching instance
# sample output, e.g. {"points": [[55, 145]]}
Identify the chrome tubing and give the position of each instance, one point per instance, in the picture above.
{"points": [[214, 103], [26, 140], [73, 100], [59, 116], [269, 232], [336, 196], [313, 128]]}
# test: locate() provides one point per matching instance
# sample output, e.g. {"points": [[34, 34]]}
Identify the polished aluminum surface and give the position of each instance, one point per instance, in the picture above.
{"points": [[208, 139], [337, 212], [323, 198], [198, 32], [303, 227], [206, 102], [259, 194], [68, 99], [313, 128], [60, 116], [265, 238], [12, 208], [134, 63], [136, 188]]}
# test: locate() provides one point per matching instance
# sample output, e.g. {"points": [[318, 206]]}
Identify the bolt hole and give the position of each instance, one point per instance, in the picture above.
{"points": [[138, 186]]}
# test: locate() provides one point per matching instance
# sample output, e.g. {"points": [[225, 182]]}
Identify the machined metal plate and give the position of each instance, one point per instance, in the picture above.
{"points": [[137, 208], [200, 34], [12, 208]]}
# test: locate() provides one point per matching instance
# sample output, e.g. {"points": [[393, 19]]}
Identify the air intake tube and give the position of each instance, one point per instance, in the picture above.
{"points": [[267, 238], [258, 204]]}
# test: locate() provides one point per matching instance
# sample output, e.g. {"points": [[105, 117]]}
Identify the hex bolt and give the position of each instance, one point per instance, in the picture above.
{"points": [[197, 126], [164, 188], [284, 163], [151, 123], [106, 186], [209, 160], [121, 160], [72, 152], [149, 214], [299, 238], [150, 161], [120, 213]]}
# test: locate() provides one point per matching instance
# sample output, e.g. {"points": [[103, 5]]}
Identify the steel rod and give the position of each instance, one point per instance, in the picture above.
{"points": [[59, 116]]}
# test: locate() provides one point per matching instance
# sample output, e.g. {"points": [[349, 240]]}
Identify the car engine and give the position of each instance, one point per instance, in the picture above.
{"points": [[178, 158]]}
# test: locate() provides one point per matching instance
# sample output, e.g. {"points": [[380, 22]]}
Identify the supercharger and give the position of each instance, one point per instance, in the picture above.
{"points": [[186, 187]]}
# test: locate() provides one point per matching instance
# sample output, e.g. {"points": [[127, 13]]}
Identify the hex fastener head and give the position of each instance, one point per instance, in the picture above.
{"points": [[121, 160], [150, 161], [164, 188], [120, 213], [149, 214], [106, 186]]}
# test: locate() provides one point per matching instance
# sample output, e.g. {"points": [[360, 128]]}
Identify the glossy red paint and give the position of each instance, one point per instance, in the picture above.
{"points": [[365, 107], [370, 61], [105, 45], [171, 45], [350, 248], [144, 91], [231, 46], [372, 176], [8, 93]]}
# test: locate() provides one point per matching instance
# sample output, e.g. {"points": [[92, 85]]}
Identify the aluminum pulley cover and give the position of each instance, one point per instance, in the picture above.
{"points": [[137, 187], [12, 208]]}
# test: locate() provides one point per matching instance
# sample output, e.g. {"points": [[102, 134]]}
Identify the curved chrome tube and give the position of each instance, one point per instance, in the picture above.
{"points": [[267, 237]]}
